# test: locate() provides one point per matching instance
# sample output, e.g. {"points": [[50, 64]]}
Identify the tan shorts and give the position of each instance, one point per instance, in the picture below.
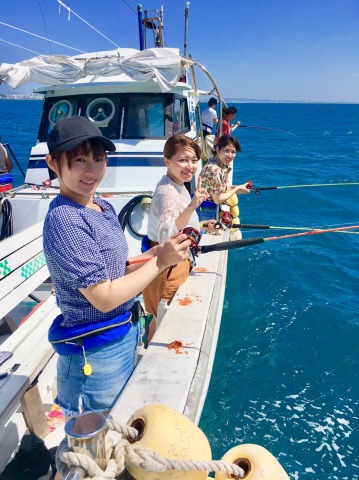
{"points": [[165, 285]]}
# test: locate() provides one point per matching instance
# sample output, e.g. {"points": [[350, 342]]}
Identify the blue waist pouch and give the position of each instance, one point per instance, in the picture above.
{"points": [[5, 178], [70, 340]]}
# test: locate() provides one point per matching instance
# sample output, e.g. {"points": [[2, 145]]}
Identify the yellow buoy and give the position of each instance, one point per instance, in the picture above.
{"points": [[235, 234], [164, 430], [235, 211], [235, 221], [232, 201], [256, 461]]}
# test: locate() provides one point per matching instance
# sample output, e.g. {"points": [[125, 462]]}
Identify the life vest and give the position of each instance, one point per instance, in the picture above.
{"points": [[71, 340]]}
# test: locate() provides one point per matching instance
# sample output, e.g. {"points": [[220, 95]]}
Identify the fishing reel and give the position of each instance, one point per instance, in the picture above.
{"points": [[224, 223], [250, 186], [226, 220], [194, 235]]}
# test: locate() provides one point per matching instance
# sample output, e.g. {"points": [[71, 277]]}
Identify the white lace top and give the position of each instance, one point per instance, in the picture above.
{"points": [[168, 202]]}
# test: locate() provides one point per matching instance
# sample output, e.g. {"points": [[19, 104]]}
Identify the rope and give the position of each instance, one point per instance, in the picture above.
{"points": [[87, 23], [19, 46], [123, 454], [39, 36]]}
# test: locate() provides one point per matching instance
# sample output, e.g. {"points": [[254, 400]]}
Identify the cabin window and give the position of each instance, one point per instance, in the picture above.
{"points": [[60, 109], [104, 112], [119, 115], [55, 109], [144, 117], [180, 115]]}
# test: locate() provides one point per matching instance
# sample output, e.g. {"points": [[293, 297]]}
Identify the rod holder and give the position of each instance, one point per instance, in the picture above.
{"points": [[86, 434]]}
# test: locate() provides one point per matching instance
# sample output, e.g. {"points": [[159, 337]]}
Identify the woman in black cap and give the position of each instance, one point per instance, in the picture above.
{"points": [[86, 253]]}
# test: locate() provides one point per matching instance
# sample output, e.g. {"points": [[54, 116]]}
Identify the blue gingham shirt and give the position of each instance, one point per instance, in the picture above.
{"points": [[83, 247]]}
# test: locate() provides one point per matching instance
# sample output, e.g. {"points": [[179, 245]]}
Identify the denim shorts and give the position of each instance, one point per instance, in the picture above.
{"points": [[112, 365]]}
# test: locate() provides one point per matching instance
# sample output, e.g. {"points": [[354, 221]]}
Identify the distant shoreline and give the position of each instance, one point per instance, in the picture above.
{"points": [[29, 96]]}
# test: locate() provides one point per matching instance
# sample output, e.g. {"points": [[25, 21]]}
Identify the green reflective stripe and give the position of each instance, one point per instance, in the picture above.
{"points": [[4, 268], [33, 265]]}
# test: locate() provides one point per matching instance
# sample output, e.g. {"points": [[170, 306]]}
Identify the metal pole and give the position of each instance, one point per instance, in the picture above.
{"points": [[140, 25], [186, 11], [162, 27]]}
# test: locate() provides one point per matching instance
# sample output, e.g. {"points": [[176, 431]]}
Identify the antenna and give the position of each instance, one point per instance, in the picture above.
{"points": [[186, 11], [155, 24]]}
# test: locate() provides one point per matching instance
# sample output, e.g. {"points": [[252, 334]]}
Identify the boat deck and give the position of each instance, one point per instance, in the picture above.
{"points": [[179, 376]]}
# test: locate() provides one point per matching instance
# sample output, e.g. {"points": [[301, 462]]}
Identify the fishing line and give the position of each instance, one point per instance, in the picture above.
{"points": [[267, 128]]}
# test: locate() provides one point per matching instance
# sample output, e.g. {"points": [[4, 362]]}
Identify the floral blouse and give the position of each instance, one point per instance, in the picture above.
{"points": [[214, 177]]}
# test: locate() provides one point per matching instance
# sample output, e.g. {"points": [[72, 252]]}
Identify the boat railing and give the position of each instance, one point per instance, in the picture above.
{"points": [[13, 157], [23, 269]]}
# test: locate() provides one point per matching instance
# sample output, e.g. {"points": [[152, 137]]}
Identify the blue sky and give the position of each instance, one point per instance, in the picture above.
{"points": [[305, 50]]}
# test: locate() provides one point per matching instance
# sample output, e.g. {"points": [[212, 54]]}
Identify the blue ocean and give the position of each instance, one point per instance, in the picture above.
{"points": [[287, 363]]}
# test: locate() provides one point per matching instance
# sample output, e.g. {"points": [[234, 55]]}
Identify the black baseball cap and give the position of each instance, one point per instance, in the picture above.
{"points": [[68, 133]]}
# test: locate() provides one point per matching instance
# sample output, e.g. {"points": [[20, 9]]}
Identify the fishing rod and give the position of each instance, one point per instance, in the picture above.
{"points": [[249, 226], [258, 190], [194, 236], [225, 223], [254, 241]]}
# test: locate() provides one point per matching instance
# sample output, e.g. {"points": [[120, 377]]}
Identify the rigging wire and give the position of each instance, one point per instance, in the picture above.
{"points": [[87, 23], [129, 6], [43, 19], [39, 36], [19, 46]]}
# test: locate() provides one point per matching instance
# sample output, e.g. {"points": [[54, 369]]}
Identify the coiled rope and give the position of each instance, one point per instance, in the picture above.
{"points": [[122, 454]]}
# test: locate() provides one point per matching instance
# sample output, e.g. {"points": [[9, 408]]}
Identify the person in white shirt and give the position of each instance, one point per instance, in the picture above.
{"points": [[171, 210], [209, 117]]}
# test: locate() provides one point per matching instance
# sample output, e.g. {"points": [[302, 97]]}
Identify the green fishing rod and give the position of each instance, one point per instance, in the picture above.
{"points": [[255, 241], [258, 190]]}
